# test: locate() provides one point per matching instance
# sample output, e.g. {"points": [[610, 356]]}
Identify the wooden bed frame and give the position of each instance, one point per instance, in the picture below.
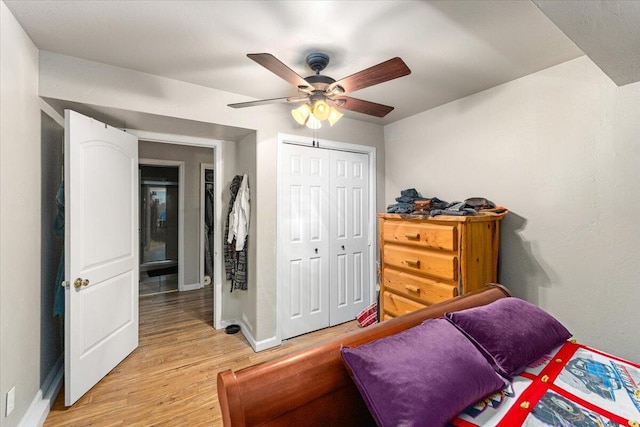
{"points": [[311, 387]]}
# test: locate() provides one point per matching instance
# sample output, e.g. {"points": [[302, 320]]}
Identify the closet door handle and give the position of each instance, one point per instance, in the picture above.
{"points": [[413, 262], [412, 236]]}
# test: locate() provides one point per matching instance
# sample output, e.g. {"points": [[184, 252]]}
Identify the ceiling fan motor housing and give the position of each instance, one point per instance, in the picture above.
{"points": [[319, 82]]}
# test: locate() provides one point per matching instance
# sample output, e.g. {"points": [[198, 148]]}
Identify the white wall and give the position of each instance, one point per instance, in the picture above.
{"points": [[561, 149], [87, 82], [28, 345], [246, 162]]}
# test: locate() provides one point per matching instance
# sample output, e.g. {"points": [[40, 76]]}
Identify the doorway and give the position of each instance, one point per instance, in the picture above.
{"points": [[110, 202], [159, 201], [191, 153]]}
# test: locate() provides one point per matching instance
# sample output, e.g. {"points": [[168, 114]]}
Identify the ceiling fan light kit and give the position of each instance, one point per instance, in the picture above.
{"points": [[304, 115], [313, 123], [301, 114], [334, 116], [321, 110], [322, 94]]}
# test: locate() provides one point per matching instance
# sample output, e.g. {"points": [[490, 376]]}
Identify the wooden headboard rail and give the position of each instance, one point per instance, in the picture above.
{"points": [[312, 386]]}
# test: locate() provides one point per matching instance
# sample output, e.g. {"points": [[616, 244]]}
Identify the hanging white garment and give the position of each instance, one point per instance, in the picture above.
{"points": [[240, 214]]}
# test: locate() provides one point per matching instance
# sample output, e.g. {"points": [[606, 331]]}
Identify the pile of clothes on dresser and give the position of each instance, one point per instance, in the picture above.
{"points": [[411, 202]]}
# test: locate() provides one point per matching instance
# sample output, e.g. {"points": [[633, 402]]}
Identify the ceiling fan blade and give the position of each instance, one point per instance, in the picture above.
{"points": [[385, 71], [361, 106], [276, 66], [264, 102]]}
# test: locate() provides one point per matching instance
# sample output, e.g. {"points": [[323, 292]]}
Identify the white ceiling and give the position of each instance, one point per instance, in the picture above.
{"points": [[607, 31], [454, 48]]}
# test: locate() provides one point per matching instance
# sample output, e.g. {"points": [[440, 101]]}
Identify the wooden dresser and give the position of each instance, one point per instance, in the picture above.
{"points": [[426, 260]]}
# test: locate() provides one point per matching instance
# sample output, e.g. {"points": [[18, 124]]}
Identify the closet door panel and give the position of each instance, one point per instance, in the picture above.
{"points": [[341, 279], [304, 296], [295, 289], [348, 192]]}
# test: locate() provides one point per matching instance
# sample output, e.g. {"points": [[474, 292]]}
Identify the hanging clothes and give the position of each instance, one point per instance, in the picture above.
{"points": [[58, 229], [229, 248], [240, 214], [236, 230], [208, 230], [240, 269]]}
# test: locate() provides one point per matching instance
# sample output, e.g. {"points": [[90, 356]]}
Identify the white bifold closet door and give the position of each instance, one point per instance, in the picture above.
{"points": [[324, 237]]}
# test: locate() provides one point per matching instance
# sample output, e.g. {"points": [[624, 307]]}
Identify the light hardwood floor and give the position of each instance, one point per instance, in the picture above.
{"points": [[170, 379]]}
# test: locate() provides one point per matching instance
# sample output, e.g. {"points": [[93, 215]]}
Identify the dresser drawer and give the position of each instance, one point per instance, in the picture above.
{"points": [[396, 305], [435, 236], [420, 261], [426, 290]]}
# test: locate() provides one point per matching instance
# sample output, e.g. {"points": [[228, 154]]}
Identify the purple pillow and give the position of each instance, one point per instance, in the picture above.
{"points": [[512, 333], [424, 375]]}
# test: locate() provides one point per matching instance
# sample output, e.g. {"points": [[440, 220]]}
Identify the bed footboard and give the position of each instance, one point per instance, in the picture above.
{"points": [[312, 386]]}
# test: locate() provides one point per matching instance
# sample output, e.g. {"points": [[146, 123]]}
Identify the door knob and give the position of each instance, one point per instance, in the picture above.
{"points": [[316, 250], [80, 282], [343, 247]]}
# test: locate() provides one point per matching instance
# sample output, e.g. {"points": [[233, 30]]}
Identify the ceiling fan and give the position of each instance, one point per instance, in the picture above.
{"points": [[322, 94]]}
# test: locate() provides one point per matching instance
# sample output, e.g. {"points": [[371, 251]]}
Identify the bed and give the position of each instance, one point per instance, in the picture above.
{"points": [[380, 374]]}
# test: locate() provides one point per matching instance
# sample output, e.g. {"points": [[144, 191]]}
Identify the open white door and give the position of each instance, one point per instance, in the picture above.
{"points": [[101, 251]]}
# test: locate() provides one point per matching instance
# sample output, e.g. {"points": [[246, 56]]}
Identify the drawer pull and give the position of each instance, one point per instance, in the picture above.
{"points": [[412, 288], [412, 236], [392, 300], [413, 263]]}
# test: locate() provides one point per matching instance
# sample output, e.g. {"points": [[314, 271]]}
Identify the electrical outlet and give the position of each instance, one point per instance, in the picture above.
{"points": [[11, 400]]}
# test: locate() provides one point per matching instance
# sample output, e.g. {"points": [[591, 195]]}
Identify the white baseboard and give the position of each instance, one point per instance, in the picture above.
{"points": [[267, 343], [43, 400], [258, 345]]}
